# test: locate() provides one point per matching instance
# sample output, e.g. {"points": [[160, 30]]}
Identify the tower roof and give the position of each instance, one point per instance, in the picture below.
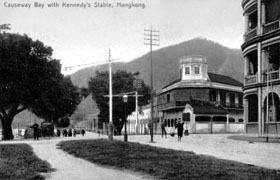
{"points": [[193, 59], [217, 78]]}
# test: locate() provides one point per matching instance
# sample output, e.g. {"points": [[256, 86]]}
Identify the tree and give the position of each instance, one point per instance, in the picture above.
{"points": [[28, 75], [59, 101], [122, 83]]}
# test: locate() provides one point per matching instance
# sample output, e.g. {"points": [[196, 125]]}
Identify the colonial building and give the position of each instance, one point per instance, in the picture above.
{"points": [[205, 102], [139, 123], [261, 51]]}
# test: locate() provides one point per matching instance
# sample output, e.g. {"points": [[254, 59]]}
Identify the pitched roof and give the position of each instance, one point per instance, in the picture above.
{"points": [[173, 82], [210, 109], [203, 107], [217, 78], [224, 79]]}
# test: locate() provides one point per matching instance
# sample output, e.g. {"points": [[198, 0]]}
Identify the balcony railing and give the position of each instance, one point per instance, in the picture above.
{"points": [[251, 79], [271, 76], [234, 105], [271, 27], [172, 104], [228, 104], [180, 104], [250, 34]]}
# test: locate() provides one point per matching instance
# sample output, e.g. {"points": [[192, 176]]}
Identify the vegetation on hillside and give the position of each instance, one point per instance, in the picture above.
{"points": [[166, 63]]}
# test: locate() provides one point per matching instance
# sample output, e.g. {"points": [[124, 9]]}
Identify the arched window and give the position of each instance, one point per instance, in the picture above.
{"points": [[272, 108]]}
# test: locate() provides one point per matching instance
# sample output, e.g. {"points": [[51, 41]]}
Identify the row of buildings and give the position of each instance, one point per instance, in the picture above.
{"points": [[213, 103]]}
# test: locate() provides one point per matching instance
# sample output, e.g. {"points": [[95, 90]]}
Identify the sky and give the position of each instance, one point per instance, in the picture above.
{"points": [[84, 35]]}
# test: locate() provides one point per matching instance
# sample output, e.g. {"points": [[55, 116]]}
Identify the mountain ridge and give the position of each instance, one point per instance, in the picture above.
{"points": [[221, 60]]}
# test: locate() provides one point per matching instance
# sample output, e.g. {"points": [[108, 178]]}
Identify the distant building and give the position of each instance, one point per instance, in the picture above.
{"points": [[140, 124], [261, 51], [205, 102]]}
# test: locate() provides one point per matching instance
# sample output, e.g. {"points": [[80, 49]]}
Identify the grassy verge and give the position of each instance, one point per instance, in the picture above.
{"points": [[164, 163], [17, 161]]}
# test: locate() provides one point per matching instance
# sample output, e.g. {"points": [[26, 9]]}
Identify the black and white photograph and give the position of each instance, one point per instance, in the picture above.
{"points": [[139, 89]]}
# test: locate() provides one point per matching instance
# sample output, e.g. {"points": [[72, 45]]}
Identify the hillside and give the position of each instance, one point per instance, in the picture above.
{"points": [[221, 60]]}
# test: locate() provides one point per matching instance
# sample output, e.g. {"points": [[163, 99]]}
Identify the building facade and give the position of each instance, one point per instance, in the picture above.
{"points": [[139, 123], [205, 102], [261, 51]]}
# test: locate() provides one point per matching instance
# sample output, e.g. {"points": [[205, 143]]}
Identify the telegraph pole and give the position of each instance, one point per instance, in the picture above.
{"points": [[110, 99], [151, 38], [137, 85], [109, 61]]}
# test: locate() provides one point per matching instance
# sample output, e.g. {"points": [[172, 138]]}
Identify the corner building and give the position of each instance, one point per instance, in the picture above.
{"points": [[204, 101], [261, 51]]}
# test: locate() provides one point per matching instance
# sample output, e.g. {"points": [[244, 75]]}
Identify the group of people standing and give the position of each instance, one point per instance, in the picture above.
{"points": [[45, 130], [55, 132], [70, 132], [180, 129]]}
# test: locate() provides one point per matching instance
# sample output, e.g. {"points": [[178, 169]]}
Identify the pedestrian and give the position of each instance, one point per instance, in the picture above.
{"points": [[180, 129], [64, 133], [163, 131], [58, 133], [83, 132], [70, 132], [74, 132], [35, 127], [43, 131]]}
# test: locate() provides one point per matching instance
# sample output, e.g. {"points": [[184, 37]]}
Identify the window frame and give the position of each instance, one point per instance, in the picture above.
{"points": [[196, 70]]}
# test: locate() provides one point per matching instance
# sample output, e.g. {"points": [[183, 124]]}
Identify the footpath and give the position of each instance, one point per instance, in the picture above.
{"points": [[68, 167], [218, 145]]}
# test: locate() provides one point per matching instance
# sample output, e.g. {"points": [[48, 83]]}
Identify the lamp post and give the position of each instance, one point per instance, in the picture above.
{"points": [[125, 98]]}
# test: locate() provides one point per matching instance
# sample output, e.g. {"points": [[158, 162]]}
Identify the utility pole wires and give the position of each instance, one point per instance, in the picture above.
{"points": [[151, 38]]}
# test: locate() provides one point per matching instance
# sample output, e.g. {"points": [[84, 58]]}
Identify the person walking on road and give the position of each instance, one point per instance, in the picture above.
{"points": [[180, 129], [35, 127], [83, 132], [70, 132], [58, 132]]}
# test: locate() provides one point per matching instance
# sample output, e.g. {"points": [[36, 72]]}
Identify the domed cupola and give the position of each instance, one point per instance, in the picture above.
{"points": [[193, 68]]}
